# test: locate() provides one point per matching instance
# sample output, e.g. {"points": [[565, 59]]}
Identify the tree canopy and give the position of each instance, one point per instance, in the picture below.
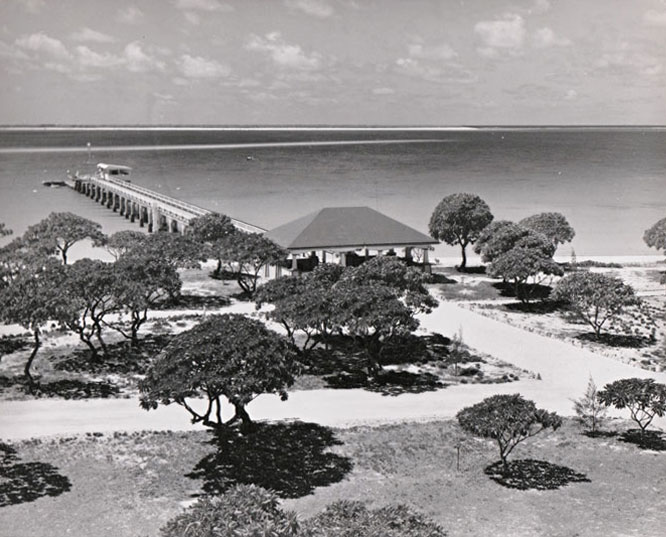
{"points": [[122, 242], [655, 237], [507, 419], [459, 219], [230, 356], [60, 231], [497, 238], [644, 398], [4, 230], [554, 226], [595, 298]]}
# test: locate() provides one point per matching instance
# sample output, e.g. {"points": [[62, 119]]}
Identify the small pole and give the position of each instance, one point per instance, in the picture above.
{"points": [[89, 146]]}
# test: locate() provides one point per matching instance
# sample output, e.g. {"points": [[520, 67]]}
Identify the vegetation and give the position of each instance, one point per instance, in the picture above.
{"points": [[590, 411], [644, 398], [594, 298], [655, 237], [497, 238], [122, 242], [4, 230], [213, 230], [553, 226], [57, 233], [229, 356], [507, 419], [459, 219]]}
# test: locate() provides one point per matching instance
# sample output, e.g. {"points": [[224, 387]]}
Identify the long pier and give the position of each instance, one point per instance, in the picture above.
{"points": [[111, 187]]}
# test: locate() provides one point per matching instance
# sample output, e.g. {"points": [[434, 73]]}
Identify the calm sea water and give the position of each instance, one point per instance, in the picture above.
{"points": [[610, 183]]}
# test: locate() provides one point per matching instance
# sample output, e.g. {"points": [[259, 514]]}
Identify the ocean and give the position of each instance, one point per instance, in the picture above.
{"points": [[610, 183]]}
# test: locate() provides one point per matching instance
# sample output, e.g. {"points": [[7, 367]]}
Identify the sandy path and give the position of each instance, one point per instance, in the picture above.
{"points": [[564, 370]]}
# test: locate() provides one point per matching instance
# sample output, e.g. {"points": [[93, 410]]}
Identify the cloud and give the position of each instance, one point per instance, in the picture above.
{"points": [[655, 18], [93, 36], [198, 67], [383, 91], [438, 52], [192, 17], [625, 60], [284, 54], [203, 5], [315, 8], [90, 58], [503, 35], [571, 95], [452, 73], [129, 15], [42, 43], [545, 38], [139, 61], [33, 6], [541, 6]]}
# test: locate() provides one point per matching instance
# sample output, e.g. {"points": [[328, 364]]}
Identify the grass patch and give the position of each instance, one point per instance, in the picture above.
{"points": [[130, 484]]}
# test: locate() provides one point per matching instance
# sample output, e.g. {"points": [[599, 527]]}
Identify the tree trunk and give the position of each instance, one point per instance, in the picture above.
{"points": [[28, 364], [463, 264], [242, 415], [94, 356], [98, 334]]}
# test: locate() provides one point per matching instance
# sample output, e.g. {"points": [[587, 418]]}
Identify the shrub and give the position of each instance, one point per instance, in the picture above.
{"points": [[589, 409]]}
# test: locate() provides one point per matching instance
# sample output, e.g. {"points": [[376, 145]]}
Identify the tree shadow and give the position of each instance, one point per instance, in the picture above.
{"points": [[438, 277], [288, 458], [481, 269], [600, 434], [11, 344], [652, 440], [185, 302], [539, 308], [626, 341], [535, 292], [121, 358], [22, 482], [64, 388], [388, 382], [530, 474]]}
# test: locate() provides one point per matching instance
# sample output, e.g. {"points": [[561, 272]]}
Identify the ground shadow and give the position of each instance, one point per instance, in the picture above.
{"points": [[534, 292], [540, 307], [481, 269], [388, 382], [652, 440], [73, 389], [530, 474], [288, 458], [10, 344], [438, 277], [187, 302], [600, 434], [617, 340], [22, 482], [121, 357]]}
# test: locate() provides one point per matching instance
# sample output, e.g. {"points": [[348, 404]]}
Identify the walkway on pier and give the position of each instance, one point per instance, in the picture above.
{"points": [[152, 209]]}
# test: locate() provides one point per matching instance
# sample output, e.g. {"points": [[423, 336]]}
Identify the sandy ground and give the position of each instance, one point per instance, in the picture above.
{"points": [[564, 372]]}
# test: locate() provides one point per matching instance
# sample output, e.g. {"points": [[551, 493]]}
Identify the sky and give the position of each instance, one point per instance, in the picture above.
{"points": [[333, 62]]}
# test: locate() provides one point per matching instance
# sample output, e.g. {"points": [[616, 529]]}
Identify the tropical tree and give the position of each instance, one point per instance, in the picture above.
{"points": [[212, 229], [18, 257], [89, 290], [122, 242], [60, 231], [4, 230], [179, 251], [497, 238], [140, 282], [459, 219], [595, 298], [33, 299], [644, 398], [655, 237], [508, 420], [526, 265], [246, 253], [554, 226], [229, 356]]}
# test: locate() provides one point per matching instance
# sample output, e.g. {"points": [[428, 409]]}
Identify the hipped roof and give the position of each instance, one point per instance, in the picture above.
{"points": [[346, 227]]}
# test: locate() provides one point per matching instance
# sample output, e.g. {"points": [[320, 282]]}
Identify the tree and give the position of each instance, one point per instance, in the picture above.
{"points": [[212, 229], [139, 283], [242, 511], [179, 251], [655, 237], [553, 226], [122, 242], [497, 238], [34, 298], [60, 231], [644, 398], [18, 257], [246, 253], [589, 409], [595, 298], [459, 219], [4, 230], [227, 355], [89, 290], [526, 265], [507, 419]]}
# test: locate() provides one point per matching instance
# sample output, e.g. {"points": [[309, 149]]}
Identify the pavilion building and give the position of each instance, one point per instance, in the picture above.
{"points": [[348, 236]]}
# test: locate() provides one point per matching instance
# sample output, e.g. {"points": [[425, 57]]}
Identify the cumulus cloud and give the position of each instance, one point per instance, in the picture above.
{"points": [[198, 67], [315, 8], [506, 34], [42, 43], [90, 58], [202, 5], [625, 59], [138, 61], [545, 38], [33, 6], [570, 95], [284, 54], [434, 73], [383, 91], [655, 18], [436, 52], [129, 15], [90, 35]]}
